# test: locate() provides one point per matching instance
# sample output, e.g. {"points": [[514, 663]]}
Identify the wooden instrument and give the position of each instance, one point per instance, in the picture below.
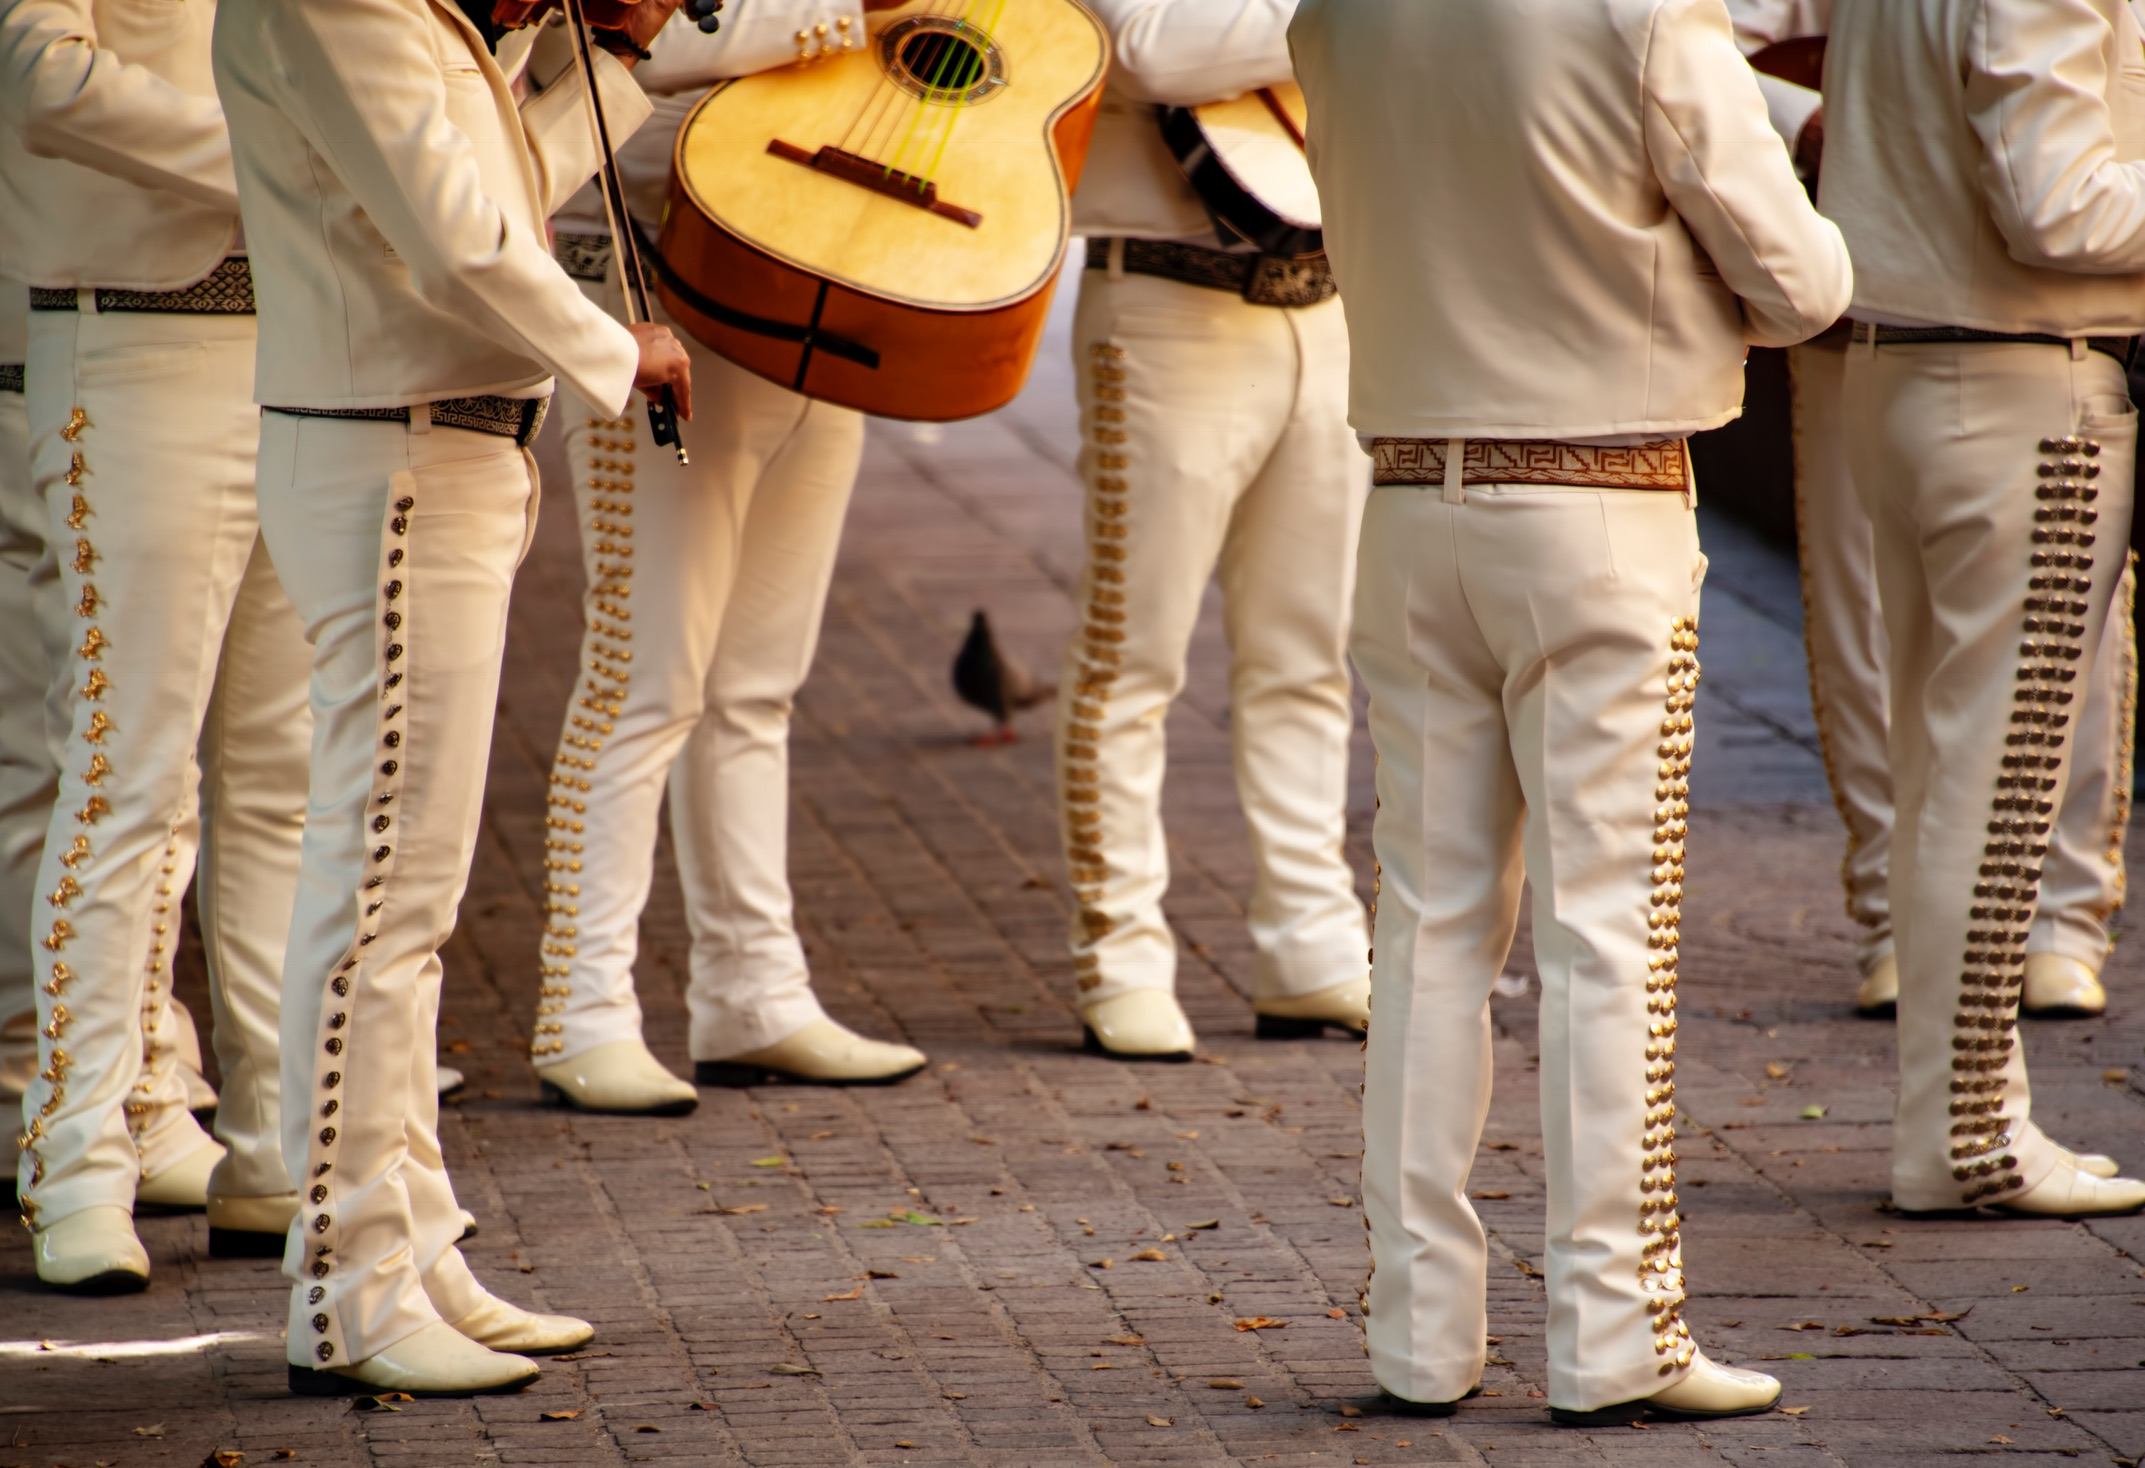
{"points": [[1801, 61], [1245, 159], [882, 228]]}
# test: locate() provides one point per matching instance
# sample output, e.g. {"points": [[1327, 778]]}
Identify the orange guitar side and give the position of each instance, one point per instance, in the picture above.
{"points": [[862, 329]]}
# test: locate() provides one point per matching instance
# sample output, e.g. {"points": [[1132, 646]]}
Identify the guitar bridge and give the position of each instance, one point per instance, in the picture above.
{"points": [[921, 193]]}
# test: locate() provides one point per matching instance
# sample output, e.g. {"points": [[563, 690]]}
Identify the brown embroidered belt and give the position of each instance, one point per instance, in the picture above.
{"points": [[583, 256], [515, 418], [1662, 463], [1263, 280], [2121, 348], [10, 377], [225, 291]]}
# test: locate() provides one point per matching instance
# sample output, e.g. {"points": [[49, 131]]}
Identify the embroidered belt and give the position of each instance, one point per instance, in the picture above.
{"points": [[515, 418], [1263, 280], [1662, 463], [583, 256], [10, 377], [225, 291], [2121, 348]]}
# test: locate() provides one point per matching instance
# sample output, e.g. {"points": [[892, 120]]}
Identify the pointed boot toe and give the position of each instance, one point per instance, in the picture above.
{"points": [[2072, 1192], [499, 1326], [184, 1185], [1344, 1007], [1878, 998], [622, 1078], [249, 1228], [449, 1080], [1142, 1024], [2061, 987], [92, 1252], [434, 1361], [2098, 1164], [1707, 1391], [823, 1053]]}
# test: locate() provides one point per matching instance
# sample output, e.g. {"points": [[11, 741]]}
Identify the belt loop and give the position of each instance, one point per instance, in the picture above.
{"points": [[420, 417], [1455, 471], [85, 300], [2078, 349], [1114, 267]]}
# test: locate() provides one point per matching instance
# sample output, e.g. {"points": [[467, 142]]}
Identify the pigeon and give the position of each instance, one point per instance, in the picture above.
{"points": [[988, 678]]}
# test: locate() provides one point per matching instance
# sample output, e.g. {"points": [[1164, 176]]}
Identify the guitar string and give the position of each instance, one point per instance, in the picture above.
{"points": [[881, 101], [989, 32], [878, 122], [953, 54], [914, 109]]}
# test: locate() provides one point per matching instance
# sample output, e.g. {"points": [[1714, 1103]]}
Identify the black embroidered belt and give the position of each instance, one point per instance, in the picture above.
{"points": [[225, 291], [515, 418], [1662, 463], [2121, 348], [1263, 280], [583, 256], [10, 377]]}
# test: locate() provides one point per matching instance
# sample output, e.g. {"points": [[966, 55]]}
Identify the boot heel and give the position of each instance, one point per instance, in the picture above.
{"points": [[244, 1243], [304, 1381], [725, 1073], [1274, 1027]]}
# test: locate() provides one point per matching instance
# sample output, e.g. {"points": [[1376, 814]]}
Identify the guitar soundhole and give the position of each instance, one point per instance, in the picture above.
{"points": [[942, 60]]}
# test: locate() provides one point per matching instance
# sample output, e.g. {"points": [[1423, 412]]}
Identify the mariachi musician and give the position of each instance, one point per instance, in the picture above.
{"points": [[168, 641], [706, 584], [2084, 879], [28, 775], [412, 322], [1215, 441]]}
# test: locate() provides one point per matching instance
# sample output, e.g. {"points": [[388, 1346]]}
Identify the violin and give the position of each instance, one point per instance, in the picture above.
{"points": [[622, 27]]}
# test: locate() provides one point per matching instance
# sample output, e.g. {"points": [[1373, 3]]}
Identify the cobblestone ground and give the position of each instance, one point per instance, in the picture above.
{"points": [[1028, 1256]]}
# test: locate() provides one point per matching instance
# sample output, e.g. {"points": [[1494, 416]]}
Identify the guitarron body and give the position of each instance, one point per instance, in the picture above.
{"points": [[1245, 160], [882, 229]]}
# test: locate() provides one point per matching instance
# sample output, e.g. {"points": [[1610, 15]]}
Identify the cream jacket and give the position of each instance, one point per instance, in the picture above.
{"points": [[1558, 219], [1983, 159], [395, 200], [114, 167], [1171, 53], [1761, 23]]}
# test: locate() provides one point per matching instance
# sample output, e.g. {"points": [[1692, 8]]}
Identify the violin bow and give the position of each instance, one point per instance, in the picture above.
{"points": [[625, 246]]}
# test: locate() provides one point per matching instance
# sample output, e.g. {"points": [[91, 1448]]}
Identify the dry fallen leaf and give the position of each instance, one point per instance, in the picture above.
{"points": [[1753, 1101], [880, 1274], [1805, 1325], [984, 1141], [646, 1427], [1348, 1427], [1253, 1402], [828, 1209], [1103, 1264], [2000, 1438], [1158, 1422], [1793, 1411], [2115, 1075], [902, 1442], [1348, 1410], [1103, 1366], [741, 1208], [855, 1294], [153, 1430], [1336, 1314], [1494, 1197], [1342, 1200], [703, 1407], [567, 1416], [1776, 1070], [1225, 1384], [286, 1452], [783, 1368], [1126, 1340], [770, 1162], [1192, 1136], [821, 1136], [223, 1458], [1204, 1223], [955, 1396], [1261, 1322], [1152, 1256]]}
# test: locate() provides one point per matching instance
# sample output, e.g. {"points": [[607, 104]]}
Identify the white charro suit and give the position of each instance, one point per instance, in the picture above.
{"points": [[27, 773], [398, 243], [1214, 443], [706, 584], [176, 641], [1997, 478], [1588, 270], [1843, 630]]}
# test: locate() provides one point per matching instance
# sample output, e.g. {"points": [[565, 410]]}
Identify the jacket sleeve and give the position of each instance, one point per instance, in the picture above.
{"points": [[1181, 53], [756, 35], [1727, 176], [2036, 93], [72, 99], [1761, 23], [417, 177], [555, 121]]}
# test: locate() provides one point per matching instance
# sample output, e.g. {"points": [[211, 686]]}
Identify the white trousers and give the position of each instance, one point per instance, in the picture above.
{"points": [[1530, 656], [706, 586], [1215, 443], [2084, 879], [142, 442], [1998, 552], [28, 776], [399, 549]]}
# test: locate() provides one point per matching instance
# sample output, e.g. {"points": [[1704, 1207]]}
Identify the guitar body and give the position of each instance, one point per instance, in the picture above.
{"points": [[1245, 160], [882, 229]]}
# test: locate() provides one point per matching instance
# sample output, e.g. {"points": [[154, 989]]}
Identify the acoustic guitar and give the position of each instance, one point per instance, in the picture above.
{"points": [[1245, 160], [882, 229]]}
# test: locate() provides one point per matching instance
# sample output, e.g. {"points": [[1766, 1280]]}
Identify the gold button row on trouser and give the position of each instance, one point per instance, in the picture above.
{"points": [[392, 732], [1102, 636], [2126, 734], [2007, 892], [97, 806], [1660, 1257], [608, 535]]}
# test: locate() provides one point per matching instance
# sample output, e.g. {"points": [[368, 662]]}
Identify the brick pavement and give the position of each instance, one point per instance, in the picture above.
{"points": [[951, 1272]]}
